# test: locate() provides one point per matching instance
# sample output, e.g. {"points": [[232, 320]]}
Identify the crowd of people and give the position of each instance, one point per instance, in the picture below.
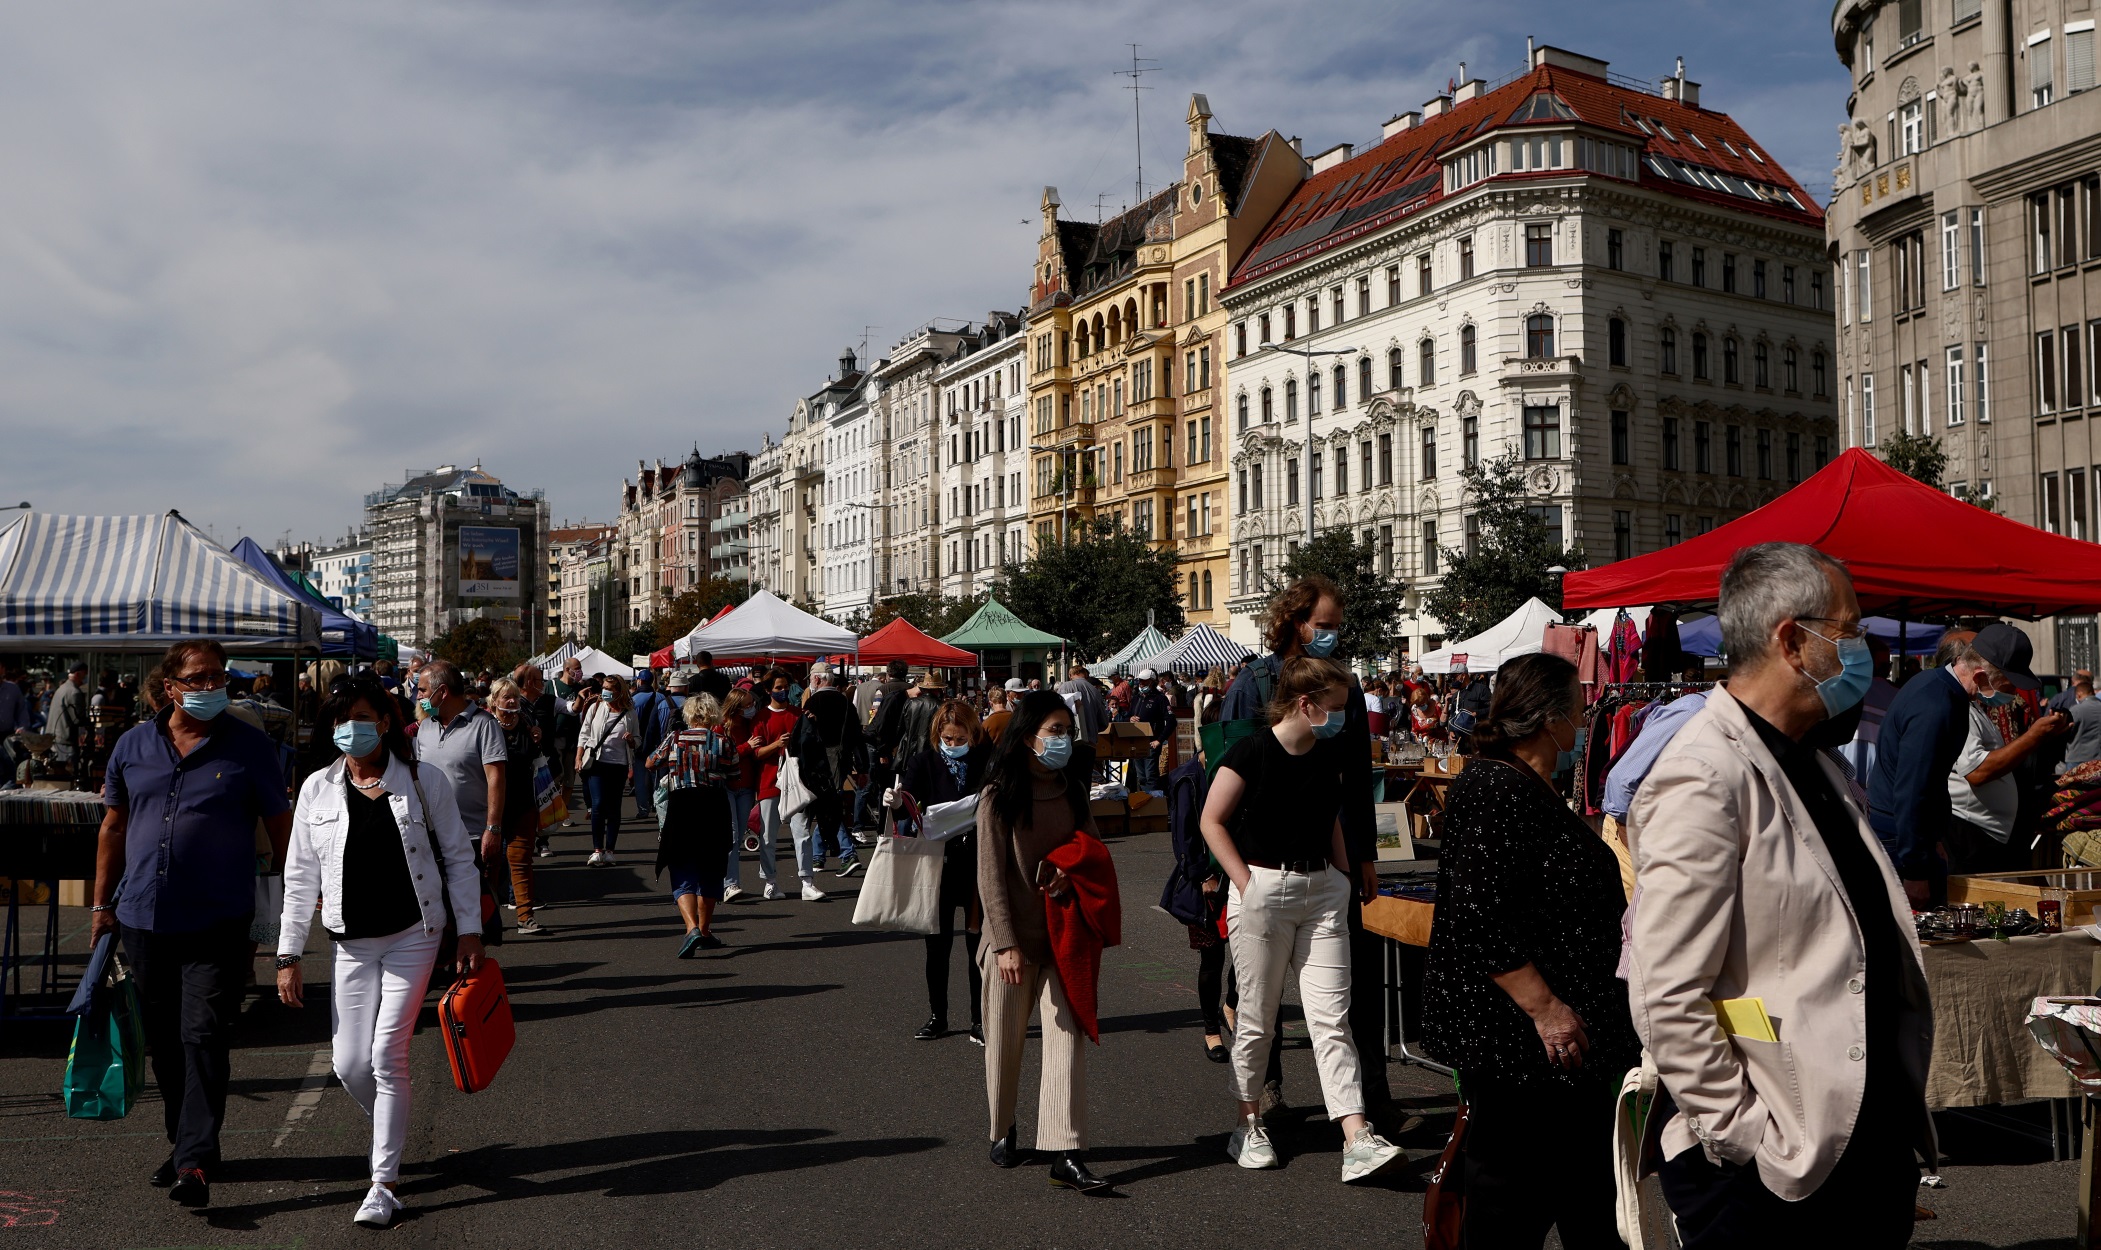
{"points": [[1742, 922]]}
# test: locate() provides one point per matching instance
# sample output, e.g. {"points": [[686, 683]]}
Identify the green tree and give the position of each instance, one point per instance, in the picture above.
{"points": [[930, 611], [1511, 554], [1916, 456], [1375, 601], [679, 614], [1971, 495], [474, 645], [1094, 587]]}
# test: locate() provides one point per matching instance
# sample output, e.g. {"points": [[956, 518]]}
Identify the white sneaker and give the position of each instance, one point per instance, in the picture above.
{"points": [[773, 892], [1367, 1155], [1249, 1145], [607, 861], [811, 894], [732, 893], [378, 1209], [597, 858]]}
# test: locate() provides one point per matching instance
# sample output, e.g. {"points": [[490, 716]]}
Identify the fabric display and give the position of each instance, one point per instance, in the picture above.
{"points": [[51, 807], [1623, 651], [1614, 722], [1578, 644], [2075, 812], [1662, 657]]}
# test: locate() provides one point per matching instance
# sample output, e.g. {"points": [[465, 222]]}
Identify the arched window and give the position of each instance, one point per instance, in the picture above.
{"points": [[1761, 366], [1539, 336], [1426, 367], [1393, 369], [1207, 589], [1241, 405], [1115, 326], [1667, 341], [1363, 377], [1313, 394], [1269, 410], [1699, 356], [1291, 399], [1616, 342], [1790, 366], [1342, 387], [1099, 341], [1730, 373], [1468, 357]]}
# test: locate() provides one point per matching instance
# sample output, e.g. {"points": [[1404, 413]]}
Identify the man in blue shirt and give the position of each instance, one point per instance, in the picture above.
{"points": [[185, 792], [1922, 734]]}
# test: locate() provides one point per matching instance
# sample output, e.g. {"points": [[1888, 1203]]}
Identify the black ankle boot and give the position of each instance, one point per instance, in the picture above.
{"points": [[1005, 1153], [1066, 1170]]}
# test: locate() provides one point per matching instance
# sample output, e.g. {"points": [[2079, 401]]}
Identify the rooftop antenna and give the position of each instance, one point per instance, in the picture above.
{"points": [[1140, 66], [865, 330], [1099, 197]]}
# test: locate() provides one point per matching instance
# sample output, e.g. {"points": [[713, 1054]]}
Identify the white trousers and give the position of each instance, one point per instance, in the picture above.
{"points": [[1294, 921], [379, 985]]}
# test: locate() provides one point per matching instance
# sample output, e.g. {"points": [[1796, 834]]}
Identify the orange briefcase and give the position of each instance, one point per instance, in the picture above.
{"points": [[474, 1016]]}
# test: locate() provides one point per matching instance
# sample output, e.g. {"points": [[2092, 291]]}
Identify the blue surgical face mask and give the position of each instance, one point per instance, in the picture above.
{"points": [[1056, 752], [1995, 698], [1845, 688], [1324, 643], [427, 707], [1566, 760], [357, 738], [204, 704], [1330, 726], [955, 751]]}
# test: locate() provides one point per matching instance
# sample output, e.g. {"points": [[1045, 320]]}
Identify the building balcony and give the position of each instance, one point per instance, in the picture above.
{"points": [[1078, 434], [1159, 477], [1159, 406], [807, 469], [1201, 545], [730, 521], [1527, 370], [724, 551]]}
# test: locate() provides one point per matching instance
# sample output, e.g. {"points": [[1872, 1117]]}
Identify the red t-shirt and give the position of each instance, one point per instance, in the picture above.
{"points": [[771, 723], [739, 731]]}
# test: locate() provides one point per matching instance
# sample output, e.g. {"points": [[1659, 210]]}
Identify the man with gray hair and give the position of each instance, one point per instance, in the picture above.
{"points": [[1774, 974], [466, 743]]}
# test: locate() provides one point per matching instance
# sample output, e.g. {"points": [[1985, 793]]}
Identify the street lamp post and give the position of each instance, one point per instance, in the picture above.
{"points": [[1306, 469]]}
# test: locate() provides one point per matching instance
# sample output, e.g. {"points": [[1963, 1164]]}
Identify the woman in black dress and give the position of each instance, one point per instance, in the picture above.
{"points": [[1519, 991], [953, 769]]}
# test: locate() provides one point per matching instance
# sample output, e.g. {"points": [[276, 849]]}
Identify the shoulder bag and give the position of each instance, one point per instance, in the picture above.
{"points": [[795, 796], [1444, 1200]]}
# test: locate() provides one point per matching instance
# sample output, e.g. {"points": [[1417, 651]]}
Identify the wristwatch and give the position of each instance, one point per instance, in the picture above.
{"points": [[288, 961]]}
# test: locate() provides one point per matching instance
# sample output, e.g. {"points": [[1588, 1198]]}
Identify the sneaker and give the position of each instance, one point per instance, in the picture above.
{"points": [[510, 907], [607, 860], [811, 894], [864, 838], [977, 1035], [597, 858], [545, 850], [731, 894], [378, 1209], [1249, 1145], [932, 1031], [1368, 1154], [709, 942], [529, 928], [691, 944], [817, 866], [849, 868], [1273, 1097], [773, 893]]}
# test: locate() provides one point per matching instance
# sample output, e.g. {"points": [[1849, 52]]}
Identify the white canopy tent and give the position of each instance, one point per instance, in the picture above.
{"points": [[765, 625], [1603, 619], [596, 663], [1151, 642], [1520, 633]]}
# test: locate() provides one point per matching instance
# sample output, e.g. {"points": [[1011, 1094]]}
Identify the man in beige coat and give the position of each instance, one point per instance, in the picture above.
{"points": [[1776, 977]]}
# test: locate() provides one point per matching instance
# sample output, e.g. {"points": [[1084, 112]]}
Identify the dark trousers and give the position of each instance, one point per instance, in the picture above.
{"points": [[1210, 985], [1539, 1156], [958, 894], [1368, 1006], [191, 986], [1971, 849], [1867, 1203]]}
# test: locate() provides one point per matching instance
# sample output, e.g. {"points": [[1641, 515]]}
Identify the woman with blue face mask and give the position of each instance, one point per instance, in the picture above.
{"points": [[1273, 821], [379, 845], [1034, 800], [953, 770], [1519, 986]]}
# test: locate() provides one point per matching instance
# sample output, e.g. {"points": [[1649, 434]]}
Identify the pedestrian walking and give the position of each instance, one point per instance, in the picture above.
{"points": [[696, 762], [603, 748], [655, 718], [1519, 988], [953, 771], [67, 720], [1035, 802], [828, 750], [185, 792], [739, 715], [522, 736], [707, 679], [776, 725], [1150, 706], [1273, 821], [460, 738], [365, 829]]}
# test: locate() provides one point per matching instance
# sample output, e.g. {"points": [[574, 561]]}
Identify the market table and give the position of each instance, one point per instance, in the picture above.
{"points": [[1983, 1053], [1404, 926], [46, 836]]}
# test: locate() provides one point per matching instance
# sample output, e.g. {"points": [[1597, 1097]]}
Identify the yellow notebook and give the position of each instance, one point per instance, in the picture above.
{"points": [[1745, 1017]]}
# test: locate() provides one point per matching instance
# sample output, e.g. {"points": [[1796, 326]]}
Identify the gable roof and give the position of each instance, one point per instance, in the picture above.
{"points": [[1686, 151]]}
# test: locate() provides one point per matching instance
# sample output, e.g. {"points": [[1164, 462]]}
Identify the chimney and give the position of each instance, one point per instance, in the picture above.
{"points": [[1333, 156], [1436, 106], [1399, 123], [1562, 58], [1678, 87], [1471, 89], [846, 362], [1295, 145]]}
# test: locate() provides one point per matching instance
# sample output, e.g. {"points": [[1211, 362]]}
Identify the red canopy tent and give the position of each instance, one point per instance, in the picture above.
{"points": [[1913, 551], [668, 657], [902, 640]]}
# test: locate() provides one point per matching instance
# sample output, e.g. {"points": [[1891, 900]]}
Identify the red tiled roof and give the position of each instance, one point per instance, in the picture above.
{"points": [[1402, 175]]}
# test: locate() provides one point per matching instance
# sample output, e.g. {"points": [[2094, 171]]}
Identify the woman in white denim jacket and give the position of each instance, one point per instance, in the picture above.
{"points": [[379, 845]]}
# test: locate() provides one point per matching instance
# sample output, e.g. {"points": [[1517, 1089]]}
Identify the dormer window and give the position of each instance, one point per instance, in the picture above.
{"points": [[1470, 168]]}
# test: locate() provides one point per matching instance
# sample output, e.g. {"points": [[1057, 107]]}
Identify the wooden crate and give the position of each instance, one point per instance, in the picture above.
{"points": [[2079, 889]]}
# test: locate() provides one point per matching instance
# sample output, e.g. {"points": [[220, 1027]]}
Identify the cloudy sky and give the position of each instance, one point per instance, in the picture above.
{"points": [[258, 259]]}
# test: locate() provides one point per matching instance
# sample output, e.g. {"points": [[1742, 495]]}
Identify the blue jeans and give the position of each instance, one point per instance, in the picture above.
{"points": [[823, 834], [645, 792], [740, 817], [1145, 772], [603, 785]]}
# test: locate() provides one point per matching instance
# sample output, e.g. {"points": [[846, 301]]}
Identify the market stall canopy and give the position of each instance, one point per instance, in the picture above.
{"points": [[765, 625], [597, 663], [1604, 619], [681, 649], [1151, 642], [552, 662], [1520, 633], [902, 640], [1913, 551], [139, 583], [341, 633], [995, 628], [1198, 651], [1704, 636], [662, 658]]}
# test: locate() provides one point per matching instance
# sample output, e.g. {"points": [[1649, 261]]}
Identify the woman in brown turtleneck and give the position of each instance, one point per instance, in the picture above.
{"points": [[1035, 797]]}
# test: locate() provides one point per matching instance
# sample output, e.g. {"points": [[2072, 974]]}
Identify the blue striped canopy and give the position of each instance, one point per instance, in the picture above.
{"points": [[1198, 651], [1127, 656], [137, 583]]}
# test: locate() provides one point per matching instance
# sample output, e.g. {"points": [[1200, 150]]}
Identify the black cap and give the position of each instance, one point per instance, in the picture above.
{"points": [[2008, 650]]}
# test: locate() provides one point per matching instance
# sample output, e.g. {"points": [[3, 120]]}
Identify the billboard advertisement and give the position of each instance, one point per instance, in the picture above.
{"points": [[488, 562]]}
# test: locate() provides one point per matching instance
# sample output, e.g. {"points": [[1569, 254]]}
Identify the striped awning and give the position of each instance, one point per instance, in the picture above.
{"points": [[137, 583], [1127, 657], [1198, 651]]}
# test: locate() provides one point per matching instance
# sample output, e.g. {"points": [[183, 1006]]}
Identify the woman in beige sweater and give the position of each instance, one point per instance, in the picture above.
{"points": [[1035, 797]]}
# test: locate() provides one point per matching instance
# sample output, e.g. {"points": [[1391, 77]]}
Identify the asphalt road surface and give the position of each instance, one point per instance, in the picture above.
{"points": [[771, 1095]]}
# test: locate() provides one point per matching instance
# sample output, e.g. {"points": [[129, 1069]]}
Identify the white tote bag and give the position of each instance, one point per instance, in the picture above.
{"points": [[902, 891], [795, 796]]}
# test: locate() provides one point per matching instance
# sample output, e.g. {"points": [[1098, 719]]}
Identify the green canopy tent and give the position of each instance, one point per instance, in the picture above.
{"points": [[994, 627]]}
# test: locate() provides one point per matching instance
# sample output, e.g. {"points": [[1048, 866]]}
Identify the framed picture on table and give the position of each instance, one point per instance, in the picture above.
{"points": [[1395, 827]]}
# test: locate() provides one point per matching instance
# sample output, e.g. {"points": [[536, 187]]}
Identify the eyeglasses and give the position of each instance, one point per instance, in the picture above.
{"points": [[200, 681], [1854, 629]]}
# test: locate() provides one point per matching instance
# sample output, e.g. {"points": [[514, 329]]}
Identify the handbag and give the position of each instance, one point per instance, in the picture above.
{"points": [[106, 1067], [1444, 1201], [474, 1018], [1637, 1134], [902, 891], [795, 796]]}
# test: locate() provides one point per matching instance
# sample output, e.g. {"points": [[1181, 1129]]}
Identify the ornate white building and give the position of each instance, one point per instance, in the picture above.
{"points": [[1616, 284], [908, 519], [983, 456]]}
